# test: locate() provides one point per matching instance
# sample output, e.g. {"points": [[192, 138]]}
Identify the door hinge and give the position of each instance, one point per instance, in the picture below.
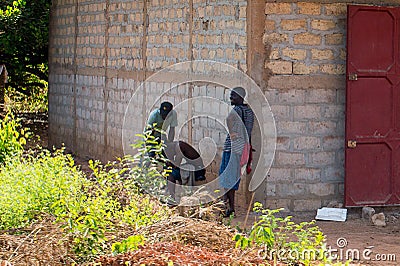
{"points": [[352, 76], [351, 144]]}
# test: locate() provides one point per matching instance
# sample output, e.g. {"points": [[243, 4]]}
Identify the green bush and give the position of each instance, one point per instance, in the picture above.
{"points": [[89, 207], [129, 244], [284, 240], [146, 172], [30, 185], [12, 137], [112, 199]]}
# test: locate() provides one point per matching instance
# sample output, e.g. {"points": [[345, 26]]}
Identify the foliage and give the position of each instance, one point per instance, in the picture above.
{"points": [[129, 244], [32, 183], [89, 208], [113, 198], [24, 34], [35, 102], [147, 172], [110, 200], [142, 211], [12, 137], [87, 216], [283, 239]]}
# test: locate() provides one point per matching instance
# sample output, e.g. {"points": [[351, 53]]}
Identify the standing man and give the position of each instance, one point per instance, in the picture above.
{"points": [[160, 120], [240, 122]]}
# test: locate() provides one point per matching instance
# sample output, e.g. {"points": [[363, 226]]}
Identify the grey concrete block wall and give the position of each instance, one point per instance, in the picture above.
{"points": [[310, 144], [101, 51]]}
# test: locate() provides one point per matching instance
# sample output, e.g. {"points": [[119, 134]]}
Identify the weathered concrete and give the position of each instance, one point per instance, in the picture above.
{"points": [[102, 51]]}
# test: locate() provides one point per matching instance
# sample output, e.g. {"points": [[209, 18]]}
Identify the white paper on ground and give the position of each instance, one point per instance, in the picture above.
{"points": [[331, 214]]}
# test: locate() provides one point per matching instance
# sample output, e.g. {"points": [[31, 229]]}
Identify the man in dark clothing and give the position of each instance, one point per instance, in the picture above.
{"points": [[175, 152]]}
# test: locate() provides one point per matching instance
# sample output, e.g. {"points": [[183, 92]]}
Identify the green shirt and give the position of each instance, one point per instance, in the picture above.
{"points": [[156, 121]]}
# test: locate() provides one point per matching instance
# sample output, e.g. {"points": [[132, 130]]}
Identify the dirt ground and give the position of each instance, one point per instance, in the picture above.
{"points": [[362, 235], [375, 245]]}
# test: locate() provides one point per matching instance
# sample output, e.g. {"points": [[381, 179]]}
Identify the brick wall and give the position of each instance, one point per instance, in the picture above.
{"points": [[306, 44], [306, 38], [306, 56], [101, 51]]}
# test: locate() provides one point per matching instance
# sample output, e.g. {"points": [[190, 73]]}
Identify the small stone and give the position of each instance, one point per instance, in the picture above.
{"points": [[392, 219], [378, 219], [367, 213]]}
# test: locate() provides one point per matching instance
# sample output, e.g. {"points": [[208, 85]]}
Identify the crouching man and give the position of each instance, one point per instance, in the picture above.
{"points": [[175, 152]]}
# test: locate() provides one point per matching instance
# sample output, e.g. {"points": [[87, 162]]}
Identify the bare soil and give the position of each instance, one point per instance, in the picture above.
{"points": [[352, 237], [357, 239], [361, 234]]}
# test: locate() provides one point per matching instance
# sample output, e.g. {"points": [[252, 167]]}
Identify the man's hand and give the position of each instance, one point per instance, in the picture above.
{"points": [[233, 135]]}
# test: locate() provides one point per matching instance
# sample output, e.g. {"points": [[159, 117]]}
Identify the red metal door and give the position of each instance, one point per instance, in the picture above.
{"points": [[372, 164]]}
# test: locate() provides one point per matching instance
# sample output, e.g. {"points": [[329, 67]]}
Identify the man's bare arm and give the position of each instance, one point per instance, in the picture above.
{"points": [[171, 134], [229, 122]]}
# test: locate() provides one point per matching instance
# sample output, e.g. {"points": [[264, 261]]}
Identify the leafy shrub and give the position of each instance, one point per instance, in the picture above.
{"points": [[281, 238], [111, 199], [147, 172], [31, 184], [34, 101], [129, 244], [89, 207], [12, 137], [87, 216]]}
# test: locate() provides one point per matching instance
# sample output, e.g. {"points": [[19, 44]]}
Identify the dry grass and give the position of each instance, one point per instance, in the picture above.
{"points": [[185, 241], [42, 243], [179, 239]]}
